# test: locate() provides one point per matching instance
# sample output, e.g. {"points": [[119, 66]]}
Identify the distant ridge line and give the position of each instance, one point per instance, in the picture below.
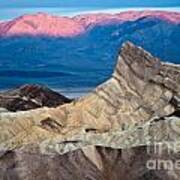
{"points": [[62, 26]]}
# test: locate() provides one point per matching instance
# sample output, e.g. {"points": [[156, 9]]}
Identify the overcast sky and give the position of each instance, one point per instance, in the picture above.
{"points": [[90, 3]]}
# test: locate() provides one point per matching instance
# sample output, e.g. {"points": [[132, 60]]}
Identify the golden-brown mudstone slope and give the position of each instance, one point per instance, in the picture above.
{"points": [[116, 114]]}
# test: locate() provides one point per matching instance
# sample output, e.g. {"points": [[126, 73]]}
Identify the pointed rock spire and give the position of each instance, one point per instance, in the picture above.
{"points": [[141, 90]]}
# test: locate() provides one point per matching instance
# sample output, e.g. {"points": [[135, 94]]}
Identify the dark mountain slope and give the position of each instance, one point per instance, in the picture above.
{"points": [[89, 57], [31, 97]]}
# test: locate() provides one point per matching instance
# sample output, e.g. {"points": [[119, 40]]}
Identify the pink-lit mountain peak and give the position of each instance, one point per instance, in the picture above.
{"points": [[42, 23], [88, 19], [45, 24]]}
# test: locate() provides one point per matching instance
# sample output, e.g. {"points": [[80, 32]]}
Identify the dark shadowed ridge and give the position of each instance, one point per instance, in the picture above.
{"points": [[31, 97]]}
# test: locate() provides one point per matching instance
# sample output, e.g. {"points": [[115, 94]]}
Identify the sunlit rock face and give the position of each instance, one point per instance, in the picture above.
{"points": [[103, 135]]}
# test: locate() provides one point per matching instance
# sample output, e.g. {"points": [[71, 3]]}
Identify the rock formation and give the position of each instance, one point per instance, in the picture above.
{"points": [[30, 97], [105, 164], [103, 135]]}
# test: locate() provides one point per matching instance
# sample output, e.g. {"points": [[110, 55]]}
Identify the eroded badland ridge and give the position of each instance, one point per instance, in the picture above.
{"points": [[109, 128]]}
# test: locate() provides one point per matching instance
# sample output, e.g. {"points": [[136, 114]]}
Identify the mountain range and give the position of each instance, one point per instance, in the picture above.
{"points": [[44, 24], [82, 50]]}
